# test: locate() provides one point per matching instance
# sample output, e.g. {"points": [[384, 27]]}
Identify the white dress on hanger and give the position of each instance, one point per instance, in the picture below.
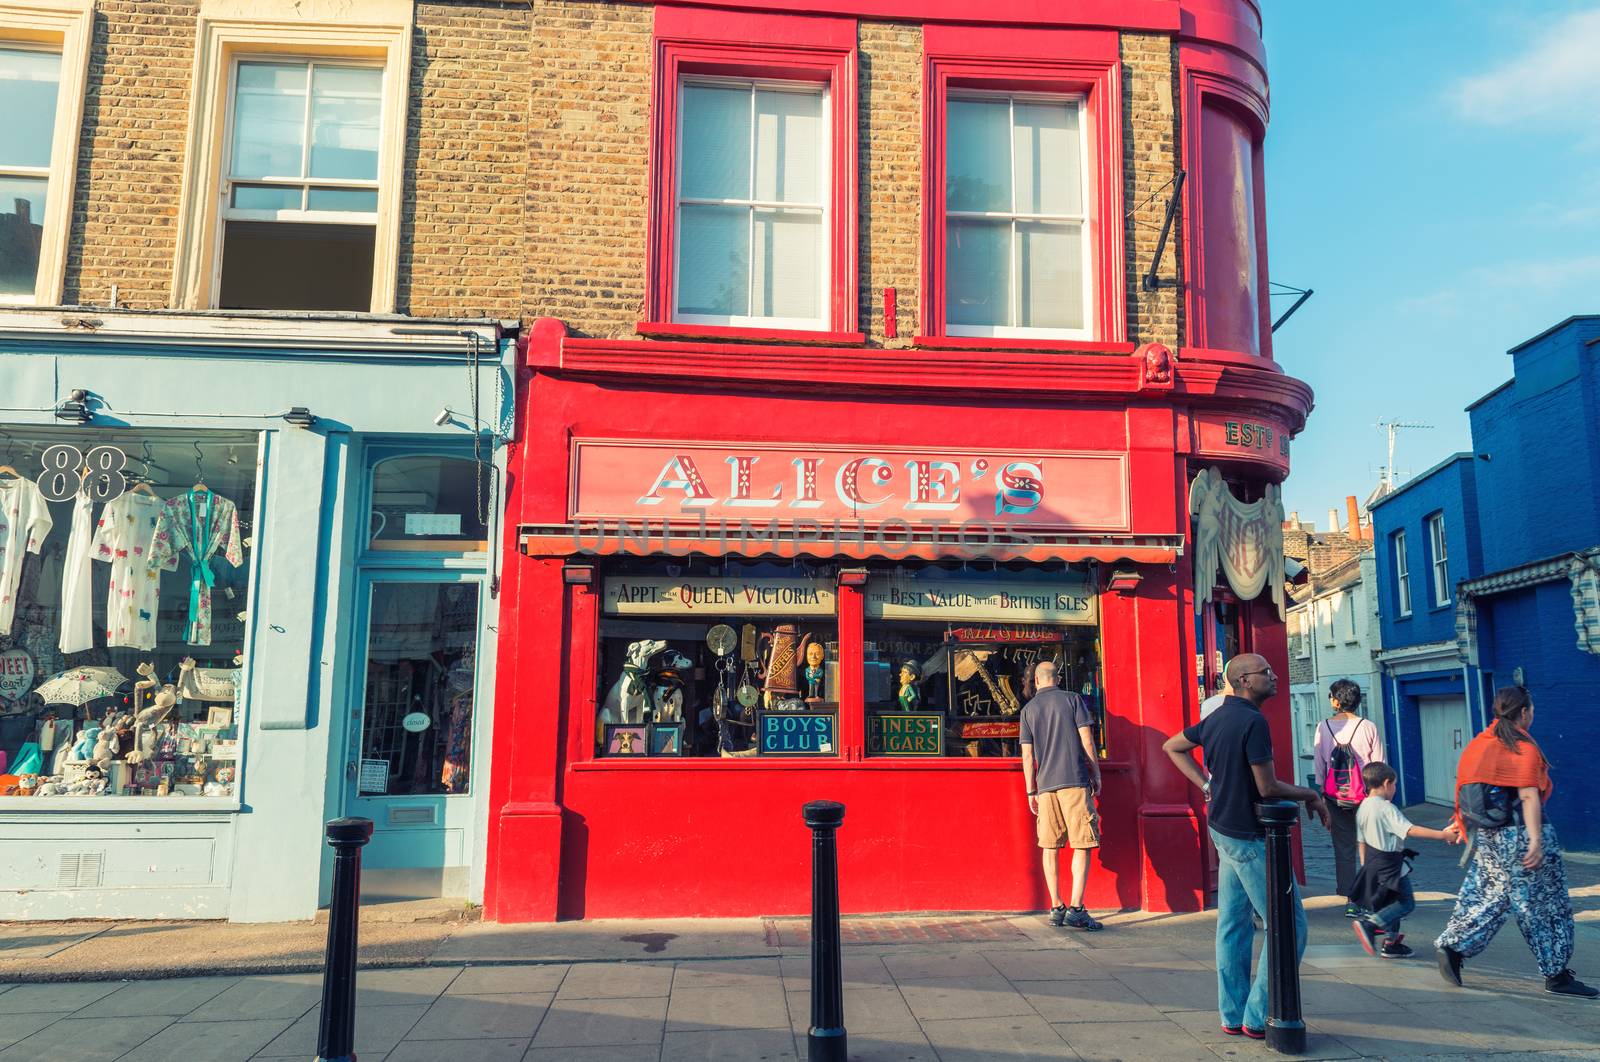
{"points": [[123, 538], [77, 597], [24, 522]]}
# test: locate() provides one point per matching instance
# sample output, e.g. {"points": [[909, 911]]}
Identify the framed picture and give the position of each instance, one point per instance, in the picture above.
{"points": [[666, 739], [796, 733], [627, 739], [219, 718]]}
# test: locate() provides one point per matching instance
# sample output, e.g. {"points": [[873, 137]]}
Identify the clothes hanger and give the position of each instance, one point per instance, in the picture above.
{"points": [[6, 469], [199, 473]]}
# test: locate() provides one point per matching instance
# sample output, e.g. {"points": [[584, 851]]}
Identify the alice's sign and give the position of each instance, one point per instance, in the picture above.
{"points": [[1054, 602], [657, 596], [905, 734], [796, 733], [815, 486]]}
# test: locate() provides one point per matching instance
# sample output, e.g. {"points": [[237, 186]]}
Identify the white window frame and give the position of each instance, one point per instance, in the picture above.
{"points": [[1349, 599], [1085, 219], [1402, 575], [823, 210], [1438, 560], [343, 31], [1325, 607], [65, 28], [1303, 634]]}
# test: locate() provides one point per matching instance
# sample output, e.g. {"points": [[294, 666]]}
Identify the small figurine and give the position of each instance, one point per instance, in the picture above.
{"points": [[628, 700], [910, 696], [815, 673]]}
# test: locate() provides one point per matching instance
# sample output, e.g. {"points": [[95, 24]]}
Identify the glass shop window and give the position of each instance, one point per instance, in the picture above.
{"points": [[300, 199], [728, 660], [124, 600], [29, 82], [426, 503], [950, 660]]}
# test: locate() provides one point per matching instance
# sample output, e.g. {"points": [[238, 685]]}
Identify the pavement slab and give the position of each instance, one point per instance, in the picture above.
{"points": [[761, 1007], [55, 998], [498, 980], [616, 981], [378, 1030], [275, 996], [947, 998], [1015, 1038], [596, 1022], [486, 1050], [1085, 1001], [15, 1027], [177, 996], [86, 1039], [208, 1041], [1134, 1041], [728, 1045], [483, 1017]]}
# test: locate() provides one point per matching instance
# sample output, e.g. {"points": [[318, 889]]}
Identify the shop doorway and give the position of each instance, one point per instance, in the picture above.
{"points": [[410, 760], [1445, 730]]}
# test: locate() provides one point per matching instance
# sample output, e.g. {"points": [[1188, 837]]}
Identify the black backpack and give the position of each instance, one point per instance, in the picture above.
{"points": [[1489, 807]]}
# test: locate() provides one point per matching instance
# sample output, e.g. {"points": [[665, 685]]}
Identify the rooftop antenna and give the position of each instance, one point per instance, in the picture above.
{"points": [[1393, 427]]}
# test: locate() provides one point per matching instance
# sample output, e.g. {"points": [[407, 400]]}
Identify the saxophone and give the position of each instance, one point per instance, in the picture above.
{"points": [[1009, 705]]}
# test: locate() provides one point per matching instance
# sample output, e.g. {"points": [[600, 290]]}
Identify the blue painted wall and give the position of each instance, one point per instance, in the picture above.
{"points": [[1449, 488]]}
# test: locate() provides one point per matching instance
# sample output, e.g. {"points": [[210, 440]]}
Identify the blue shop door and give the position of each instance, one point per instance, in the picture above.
{"points": [[411, 749]]}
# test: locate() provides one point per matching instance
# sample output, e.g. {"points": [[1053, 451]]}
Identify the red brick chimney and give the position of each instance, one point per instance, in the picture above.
{"points": [[1354, 510]]}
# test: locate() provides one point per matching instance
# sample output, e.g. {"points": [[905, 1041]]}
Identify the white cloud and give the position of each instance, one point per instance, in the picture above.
{"points": [[1557, 74]]}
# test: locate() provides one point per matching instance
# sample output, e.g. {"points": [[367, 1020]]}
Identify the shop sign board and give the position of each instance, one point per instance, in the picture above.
{"points": [[661, 596], [814, 486], [796, 733], [1000, 601], [991, 728], [16, 674], [1245, 437], [905, 734]]}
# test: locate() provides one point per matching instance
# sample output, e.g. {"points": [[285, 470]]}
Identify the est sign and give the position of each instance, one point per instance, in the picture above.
{"points": [[796, 733], [906, 734]]}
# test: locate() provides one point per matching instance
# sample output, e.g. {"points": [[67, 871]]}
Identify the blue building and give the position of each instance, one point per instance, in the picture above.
{"points": [[1490, 569]]}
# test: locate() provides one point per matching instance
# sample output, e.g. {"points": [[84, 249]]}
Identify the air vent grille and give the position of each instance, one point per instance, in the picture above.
{"points": [[80, 870]]}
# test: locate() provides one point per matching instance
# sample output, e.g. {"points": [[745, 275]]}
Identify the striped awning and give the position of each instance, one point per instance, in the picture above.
{"points": [[1582, 570]]}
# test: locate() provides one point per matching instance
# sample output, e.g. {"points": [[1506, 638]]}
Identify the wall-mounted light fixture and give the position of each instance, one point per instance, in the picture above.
{"points": [[300, 417], [1123, 580], [75, 409]]}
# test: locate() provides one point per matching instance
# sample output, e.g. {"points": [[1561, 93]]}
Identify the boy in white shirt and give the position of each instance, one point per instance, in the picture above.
{"points": [[1383, 885]]}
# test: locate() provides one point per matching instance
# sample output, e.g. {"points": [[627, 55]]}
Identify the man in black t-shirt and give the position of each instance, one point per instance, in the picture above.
{"points": [[1237, 745], [1061, 773]]}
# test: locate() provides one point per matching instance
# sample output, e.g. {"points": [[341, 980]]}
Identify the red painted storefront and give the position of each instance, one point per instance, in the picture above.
{"points": [[640, 460]]}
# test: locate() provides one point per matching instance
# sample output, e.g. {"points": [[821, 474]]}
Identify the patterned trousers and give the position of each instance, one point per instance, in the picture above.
{"points": [[1497, 885]]}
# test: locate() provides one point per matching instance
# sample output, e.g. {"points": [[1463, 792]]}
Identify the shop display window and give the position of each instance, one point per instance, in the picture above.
{"points": [[430, 503], [124, 605], [723, 659], [957, 689]]}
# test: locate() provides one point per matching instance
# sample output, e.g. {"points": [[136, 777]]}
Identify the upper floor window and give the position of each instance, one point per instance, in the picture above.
{"points": [[1350, 598], [1437, 561], [300, 192], [1302, 628], [1016, 218], [753, 209], [1402, 575]]}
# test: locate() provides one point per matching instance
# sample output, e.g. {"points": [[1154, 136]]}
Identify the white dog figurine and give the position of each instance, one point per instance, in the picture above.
{"points": [[628, 700]]}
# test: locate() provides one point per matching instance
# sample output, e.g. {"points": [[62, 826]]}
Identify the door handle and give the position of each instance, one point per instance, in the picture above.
{"points": [[350, 771]]}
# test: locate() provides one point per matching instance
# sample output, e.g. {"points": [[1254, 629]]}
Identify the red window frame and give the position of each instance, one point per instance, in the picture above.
{"points": [[1086, 63], [690, 41]]}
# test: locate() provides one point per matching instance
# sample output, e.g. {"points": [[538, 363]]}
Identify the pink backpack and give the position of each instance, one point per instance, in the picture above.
{"points": [[1344, 783]]}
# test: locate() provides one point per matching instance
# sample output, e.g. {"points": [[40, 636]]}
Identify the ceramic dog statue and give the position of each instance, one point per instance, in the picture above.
{"points": [[629, 698]]}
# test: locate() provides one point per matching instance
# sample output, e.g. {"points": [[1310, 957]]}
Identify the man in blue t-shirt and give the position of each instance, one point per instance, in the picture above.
{"points": [[1237, 746], [1061, 773]]}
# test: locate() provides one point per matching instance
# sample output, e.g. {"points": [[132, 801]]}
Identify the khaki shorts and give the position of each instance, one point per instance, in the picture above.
{"points": [[1067, 817]]}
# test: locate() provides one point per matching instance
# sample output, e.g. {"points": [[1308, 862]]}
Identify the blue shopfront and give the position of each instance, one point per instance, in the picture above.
{"points": [[249, 585]]}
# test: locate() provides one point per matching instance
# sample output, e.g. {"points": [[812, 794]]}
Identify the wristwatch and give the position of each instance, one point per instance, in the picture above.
{"points": [[1206, 788]]}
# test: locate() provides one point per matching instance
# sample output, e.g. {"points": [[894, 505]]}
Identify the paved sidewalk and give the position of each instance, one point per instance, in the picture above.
{"points": [[943, 989]]}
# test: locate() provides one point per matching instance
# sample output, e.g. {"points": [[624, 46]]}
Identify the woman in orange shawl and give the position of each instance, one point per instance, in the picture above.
{"points": [[1516, 869]]}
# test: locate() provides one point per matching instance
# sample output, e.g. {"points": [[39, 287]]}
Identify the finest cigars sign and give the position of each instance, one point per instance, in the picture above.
{"points": [[814, 486], [653, 596]]}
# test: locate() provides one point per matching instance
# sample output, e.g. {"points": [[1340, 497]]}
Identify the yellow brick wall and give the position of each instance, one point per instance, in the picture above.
{"points": [[462, 229], [130, 154], [891, 175], [1150, 161], [588, 165]]}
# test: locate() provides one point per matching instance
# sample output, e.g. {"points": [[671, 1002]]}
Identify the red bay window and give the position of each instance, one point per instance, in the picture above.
{"points": [[753, 177]]}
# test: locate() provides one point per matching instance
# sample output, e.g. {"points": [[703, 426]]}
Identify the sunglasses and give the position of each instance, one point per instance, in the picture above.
{"points": [[1264, 671]]}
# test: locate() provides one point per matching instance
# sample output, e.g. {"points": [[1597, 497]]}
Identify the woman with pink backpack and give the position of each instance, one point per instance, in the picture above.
{"points": [[1346, 742]]}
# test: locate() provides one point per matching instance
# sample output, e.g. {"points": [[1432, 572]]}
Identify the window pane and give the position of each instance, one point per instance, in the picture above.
{"points": [[21, 227], [429, 503], [1049, 179], [978, 272], [714, 260], [275, 265], [421, 674], [788, 147], [28, 84], [715, 149], [1050, 270], [349, 199], [788, 281], [266, 197], [269, 120], [978, 156], [345, 106]]}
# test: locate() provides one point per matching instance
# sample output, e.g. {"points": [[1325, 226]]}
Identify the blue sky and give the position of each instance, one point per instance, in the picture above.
{"points": [[1433, 172]]}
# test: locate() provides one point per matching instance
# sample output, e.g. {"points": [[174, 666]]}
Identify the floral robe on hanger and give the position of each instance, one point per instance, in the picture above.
{"points": [[197, 524]]}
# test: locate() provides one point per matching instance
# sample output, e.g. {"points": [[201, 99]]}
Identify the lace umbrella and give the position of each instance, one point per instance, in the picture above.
{"points": [[80, 685]]}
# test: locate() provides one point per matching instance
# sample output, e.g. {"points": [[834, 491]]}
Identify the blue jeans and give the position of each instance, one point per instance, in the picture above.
{"points": [[1241, 888], [1406, 902]]}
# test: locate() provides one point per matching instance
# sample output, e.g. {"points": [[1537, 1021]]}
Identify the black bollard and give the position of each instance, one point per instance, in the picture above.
{"points": [[1286, 1031], [826, 1041], [336, 1037]]}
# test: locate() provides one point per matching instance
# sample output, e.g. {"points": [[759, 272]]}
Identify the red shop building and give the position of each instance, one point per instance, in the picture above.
{"points": [[954, 356]]}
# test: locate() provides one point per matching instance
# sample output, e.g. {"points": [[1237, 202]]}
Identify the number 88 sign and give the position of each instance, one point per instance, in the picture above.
{"points": [[68, 470]]}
